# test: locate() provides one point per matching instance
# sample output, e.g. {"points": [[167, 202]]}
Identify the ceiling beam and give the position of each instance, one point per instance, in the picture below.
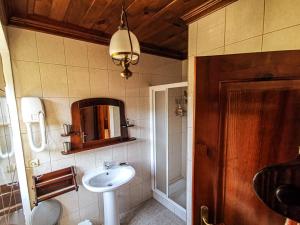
{"points": [[79, 33]]}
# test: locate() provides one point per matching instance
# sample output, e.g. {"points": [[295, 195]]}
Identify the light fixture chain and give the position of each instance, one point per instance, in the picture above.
{"points": [[127, 25]]}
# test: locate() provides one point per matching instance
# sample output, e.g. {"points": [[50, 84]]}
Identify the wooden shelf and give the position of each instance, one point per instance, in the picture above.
{"points": [[99, 145], [128, 125], [50, 185], [70, 134]]}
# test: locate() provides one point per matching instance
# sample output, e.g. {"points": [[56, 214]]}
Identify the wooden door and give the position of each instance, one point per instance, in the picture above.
{"points": [[247, 116]]}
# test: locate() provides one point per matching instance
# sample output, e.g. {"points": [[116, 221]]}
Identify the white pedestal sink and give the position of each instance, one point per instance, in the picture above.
{"points": [[108, 181]]}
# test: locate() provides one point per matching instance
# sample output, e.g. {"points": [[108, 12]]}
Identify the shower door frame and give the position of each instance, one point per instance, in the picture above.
{"points": [[157, 194]]}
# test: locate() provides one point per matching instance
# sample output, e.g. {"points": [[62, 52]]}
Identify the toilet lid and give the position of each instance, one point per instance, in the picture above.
{"points": [[46, 213]]}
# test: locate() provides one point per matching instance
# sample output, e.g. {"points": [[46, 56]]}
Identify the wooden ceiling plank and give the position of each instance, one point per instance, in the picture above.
{"points": [[77, 10], [161, 31], [93, 14], [154, 17], [42, 7], [115, 15], [106, 15], [3, 13], [72, 31], [177, 40], [160, 24], [18, 7], [173, 39], [175, 8], [140, 12], [30, 7], [59, 9]]}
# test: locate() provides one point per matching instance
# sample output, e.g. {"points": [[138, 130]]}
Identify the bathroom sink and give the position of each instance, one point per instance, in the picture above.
{"points": [[109, 179]]}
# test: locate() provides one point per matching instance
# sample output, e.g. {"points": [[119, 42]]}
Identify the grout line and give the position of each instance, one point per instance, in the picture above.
{"points": [[38, 57], [263, 27], [295, 25], [225, 20], [67, 76]]}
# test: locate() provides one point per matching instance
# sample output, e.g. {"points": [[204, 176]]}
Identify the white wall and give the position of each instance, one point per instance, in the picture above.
{"points": [[242, 27]]}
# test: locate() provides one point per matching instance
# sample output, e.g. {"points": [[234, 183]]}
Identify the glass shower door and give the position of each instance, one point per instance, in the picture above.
{"points": [[160, 140], [11, 209], [177, 144]]}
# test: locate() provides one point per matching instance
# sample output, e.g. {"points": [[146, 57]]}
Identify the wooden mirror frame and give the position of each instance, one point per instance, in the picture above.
{"points": [[77, 145]]}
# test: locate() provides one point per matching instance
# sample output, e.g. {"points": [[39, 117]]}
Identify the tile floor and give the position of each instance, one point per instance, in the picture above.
{"points": [[152, 213]]}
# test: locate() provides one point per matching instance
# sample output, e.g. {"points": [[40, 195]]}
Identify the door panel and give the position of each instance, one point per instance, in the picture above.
{"points": [[247, 117], [256, 117]]}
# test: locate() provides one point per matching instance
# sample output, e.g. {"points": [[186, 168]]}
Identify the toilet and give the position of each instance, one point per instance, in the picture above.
{"points": [[46, 213]]}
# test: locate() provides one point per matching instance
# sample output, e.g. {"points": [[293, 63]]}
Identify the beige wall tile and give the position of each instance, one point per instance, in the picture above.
{"points": [[287, 39], [244, 19], [97, 56], [192, 41], [116, 84], [184, 70], [210, 33], [50, 48], [79, 81], [217, 51], [145, 82], [22, 44], [99, 82], [132, 85], [27, 78], [76, 52], [249, 45], [57, 112], [148, 63], [169, 67], [280, 14], [132, 107], [161, 79], [54, 80]]}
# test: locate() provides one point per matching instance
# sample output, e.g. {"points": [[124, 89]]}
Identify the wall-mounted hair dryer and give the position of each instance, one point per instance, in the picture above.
{"points": [[33, 112]]}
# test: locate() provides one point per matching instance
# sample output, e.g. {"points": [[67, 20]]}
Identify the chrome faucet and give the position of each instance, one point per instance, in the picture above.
{"points": [[108, 165]]}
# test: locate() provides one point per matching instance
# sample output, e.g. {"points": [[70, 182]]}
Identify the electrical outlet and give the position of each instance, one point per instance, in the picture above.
{"points": [[34, 163]]}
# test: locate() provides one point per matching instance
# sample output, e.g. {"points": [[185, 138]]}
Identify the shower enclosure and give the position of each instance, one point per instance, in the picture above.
{"points": [[169, 145]]}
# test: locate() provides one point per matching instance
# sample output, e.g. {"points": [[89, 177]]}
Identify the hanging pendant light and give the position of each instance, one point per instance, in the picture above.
{"points": [[124, 47]]}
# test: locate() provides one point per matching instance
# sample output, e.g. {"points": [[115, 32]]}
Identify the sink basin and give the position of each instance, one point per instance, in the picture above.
{"points": [[108, 180]]}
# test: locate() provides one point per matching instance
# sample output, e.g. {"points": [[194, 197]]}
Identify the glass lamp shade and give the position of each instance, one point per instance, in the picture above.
{"points": [[119, 46]]}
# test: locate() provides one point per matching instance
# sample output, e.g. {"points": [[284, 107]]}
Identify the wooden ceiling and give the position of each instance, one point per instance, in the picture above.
{"points": [[160, 25]]}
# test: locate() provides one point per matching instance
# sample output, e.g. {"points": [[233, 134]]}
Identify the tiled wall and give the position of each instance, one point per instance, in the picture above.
{"points": [[242, 27], [61, 71]]}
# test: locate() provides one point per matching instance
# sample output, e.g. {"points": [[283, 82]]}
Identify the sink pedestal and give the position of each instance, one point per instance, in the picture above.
{"points": [[111, 208]]}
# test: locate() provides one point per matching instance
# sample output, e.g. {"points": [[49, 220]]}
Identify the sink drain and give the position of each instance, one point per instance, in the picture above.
{"points": [[109, 185]]}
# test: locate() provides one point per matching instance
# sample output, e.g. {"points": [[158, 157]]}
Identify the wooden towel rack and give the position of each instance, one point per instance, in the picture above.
{"points": [[50, 185]]}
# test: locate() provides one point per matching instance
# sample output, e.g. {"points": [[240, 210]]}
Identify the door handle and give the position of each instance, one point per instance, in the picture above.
{"points": [[204, 216]]}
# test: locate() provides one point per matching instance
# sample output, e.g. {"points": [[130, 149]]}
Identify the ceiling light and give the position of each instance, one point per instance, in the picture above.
{"points": [[124, 47]]}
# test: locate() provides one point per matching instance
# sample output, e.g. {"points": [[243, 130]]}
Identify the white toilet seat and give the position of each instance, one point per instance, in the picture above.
{"points": [[46, 213]]}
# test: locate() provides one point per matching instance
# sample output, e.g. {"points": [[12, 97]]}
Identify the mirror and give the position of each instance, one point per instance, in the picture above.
{"points": [[100, 122]]}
